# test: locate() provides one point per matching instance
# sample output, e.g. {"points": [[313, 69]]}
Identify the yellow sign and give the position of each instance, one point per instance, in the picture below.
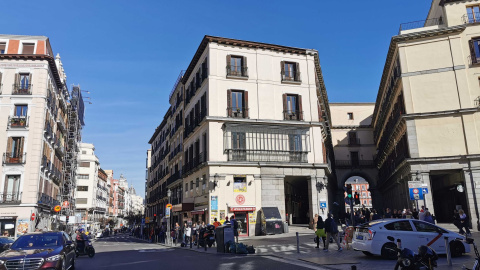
{"points": [[147, 219], [57, 208], [169, 206]]}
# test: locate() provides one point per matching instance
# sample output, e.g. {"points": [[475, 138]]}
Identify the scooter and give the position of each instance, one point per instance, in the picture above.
{"points": [[476, 265], [426, 259], [206, 236], [87, 250]]}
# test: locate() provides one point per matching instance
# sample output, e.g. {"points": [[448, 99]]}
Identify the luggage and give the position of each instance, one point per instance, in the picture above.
{"points": [[251, 250]]}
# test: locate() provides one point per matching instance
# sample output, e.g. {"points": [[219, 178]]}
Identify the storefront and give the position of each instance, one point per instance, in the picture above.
{"points": [[244, 215], [180, 212], [198, 215], [7, 224]]}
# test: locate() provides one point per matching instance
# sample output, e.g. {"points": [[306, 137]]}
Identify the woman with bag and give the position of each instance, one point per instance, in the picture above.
{"points": [[320, 232]]}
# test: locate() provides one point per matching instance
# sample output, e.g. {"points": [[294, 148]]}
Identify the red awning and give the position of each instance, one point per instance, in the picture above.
{"points": [[242, 209], [198, 212]]}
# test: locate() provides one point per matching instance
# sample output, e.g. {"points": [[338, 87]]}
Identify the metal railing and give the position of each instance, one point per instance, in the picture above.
{"points": [[18, 121], [22, 89], [10, 158], [354, 163], [61, 123], [420, 24], [353, 141], [291, 77], [293, 115], [237, 71], [236, 112], [471, 18], [266, 155], [10, 197], [180, 76]]}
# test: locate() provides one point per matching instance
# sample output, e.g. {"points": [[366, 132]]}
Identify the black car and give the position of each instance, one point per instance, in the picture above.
{"points": [[5, 243], [44, 250]]}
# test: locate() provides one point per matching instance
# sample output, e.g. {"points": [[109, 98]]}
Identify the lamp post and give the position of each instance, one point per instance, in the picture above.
{"points": [[169, 194], [321, 186]]}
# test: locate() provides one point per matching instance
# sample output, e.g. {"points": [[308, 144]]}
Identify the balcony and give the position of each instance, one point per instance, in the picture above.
{"points": [[61, 123], [46, 199], [266, 155], [353, 141], [237, 71], [237, 112], [292, 77], [10, 198], [293, 115], [22, 89], [59, 147], [18, 121], [417, 26], [354, 163], [12, 158]]}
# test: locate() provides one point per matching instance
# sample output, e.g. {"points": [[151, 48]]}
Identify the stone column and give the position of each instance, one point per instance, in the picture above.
{"points": [[471, 192], [273, 192], [424, 177], [315, 196]]}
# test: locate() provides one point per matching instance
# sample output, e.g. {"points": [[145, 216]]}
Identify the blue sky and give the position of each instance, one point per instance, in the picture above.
{"points": [[128, 54]]}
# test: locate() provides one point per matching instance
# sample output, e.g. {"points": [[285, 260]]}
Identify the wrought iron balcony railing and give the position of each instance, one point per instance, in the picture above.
{"points": [[236, 112], [18, 121], [22, 89], [420, 24], [11, 158], [10, 197], [293, 115], [237, 71], [266, 155], [353, 141], [291, 76]]}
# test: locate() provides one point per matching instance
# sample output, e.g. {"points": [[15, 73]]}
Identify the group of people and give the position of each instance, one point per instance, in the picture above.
{"points": [[327, 229]]}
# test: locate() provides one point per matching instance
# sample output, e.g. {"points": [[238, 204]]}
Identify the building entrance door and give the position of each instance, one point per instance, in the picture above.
{"points": [[242, 220], [449, 192], [297, 200]]}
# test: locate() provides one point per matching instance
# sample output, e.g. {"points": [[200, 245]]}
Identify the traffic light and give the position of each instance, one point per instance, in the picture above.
{"points": [[357, 198], [349, 190], [66, 219], [154, 217]]}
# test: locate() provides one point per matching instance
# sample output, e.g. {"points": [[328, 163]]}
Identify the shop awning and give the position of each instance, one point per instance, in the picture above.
{"points": [[242, 208], [198, 212], [182, 207]]}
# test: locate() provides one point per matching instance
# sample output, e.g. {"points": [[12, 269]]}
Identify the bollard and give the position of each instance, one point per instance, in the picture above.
{"points": [[354, 267], [298, 243], [191, 242], [449, 254]]}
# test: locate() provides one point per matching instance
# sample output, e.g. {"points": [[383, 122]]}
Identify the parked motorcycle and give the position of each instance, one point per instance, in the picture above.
{"points": [[426, 259], [87, 250], [206, 236], [476, 265]]}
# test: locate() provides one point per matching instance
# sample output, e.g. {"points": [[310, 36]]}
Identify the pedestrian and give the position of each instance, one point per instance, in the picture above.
{"points": [[188, 234], [388, 213], [463, 222], [177, 232], [331, 229], [375, 215], [234, 225], [314, 224], [226, 222], [428, 217], [415, 213], [456, 219], [216, 223], [421, 214], [320, 232]]}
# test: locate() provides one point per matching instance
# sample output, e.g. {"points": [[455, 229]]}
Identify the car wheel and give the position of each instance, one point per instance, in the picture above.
{"points": [[91, 253], [367, 253], [456, 248], [64, 259], [388, 251]]}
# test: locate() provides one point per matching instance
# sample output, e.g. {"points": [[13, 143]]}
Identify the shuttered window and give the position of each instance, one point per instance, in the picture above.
{"points": [[292, 107], [85, 164], [237, 103], [290, 71], [81, 200], [3, 46], [28, 48]]}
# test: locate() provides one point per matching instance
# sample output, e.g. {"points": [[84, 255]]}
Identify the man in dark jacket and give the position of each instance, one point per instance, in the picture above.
{"points": [[331, 228]]}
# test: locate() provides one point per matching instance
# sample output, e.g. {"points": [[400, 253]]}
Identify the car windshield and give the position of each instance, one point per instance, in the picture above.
{"points": [[6, 240], [38, 241]]}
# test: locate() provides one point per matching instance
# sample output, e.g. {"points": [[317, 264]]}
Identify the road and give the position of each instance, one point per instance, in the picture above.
{"points": [[125, 252]]}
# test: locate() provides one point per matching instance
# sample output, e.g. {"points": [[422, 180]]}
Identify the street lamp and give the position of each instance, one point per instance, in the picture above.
{"points": [[321, 185], [169, 194], [215, 180]]}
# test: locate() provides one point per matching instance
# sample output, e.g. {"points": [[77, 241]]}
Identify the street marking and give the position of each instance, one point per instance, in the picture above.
{"points": [[294, 263]]}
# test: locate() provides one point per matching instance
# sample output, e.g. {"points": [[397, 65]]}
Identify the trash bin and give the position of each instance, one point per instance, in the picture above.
{"points": [[223, 235], [285, 227], [270, 221]]}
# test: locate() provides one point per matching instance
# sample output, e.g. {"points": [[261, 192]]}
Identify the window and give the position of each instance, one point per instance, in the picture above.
{"points": [[474, 45], [21, 110], [237, 103], [82, 176], [82, 188], [236, 66], [15, 149], [12, 187], [81, 201], [3, 46], [85, 164], [352, 138], [473, 14], [295, 142], [354, 159], [292, 107], [28, 48], [24, 80], [290, 71], [197, 182], [238, 140], [239, 184], [399, 226], [427, 227], [350, 115], [191, 185], [364, 194]]}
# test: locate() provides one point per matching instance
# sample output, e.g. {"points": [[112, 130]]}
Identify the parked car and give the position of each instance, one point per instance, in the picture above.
{"points": [[43, 250], [5, 243], [371, 238]]}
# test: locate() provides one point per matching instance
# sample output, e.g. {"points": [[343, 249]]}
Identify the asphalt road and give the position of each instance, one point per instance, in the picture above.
{"points": [[125, 252]]}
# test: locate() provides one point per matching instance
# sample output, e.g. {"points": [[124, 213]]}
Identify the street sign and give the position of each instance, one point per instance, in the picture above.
{"points": [[415, 189], [323, 204], [169, 206], [143, 221], [57, 208], [167, 212], [425, 190], [33, 217], [65, 203]]}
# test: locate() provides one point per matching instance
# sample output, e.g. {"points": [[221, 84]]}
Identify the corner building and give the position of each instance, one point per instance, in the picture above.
{"points": [[255, 134]]}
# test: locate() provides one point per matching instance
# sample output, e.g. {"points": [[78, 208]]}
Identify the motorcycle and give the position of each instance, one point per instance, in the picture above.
{"points": [[476, 265], [87, 250], [206, 236], [426, 259]]}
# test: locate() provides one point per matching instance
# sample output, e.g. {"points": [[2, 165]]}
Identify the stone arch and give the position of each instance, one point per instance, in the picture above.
{"points": [[369, 174]]}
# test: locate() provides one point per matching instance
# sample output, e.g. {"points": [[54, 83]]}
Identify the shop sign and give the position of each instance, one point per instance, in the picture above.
{"points": [[201, 204], [240, 199], [8, 217], [213, 215], [242, 209], [214, 203], [252, 217], [222, 216], [240, 183], [198, 212], [167, 212], [22, 226]]}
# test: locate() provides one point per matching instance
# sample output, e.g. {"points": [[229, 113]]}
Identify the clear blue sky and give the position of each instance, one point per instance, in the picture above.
{"points": [[128, 54]]}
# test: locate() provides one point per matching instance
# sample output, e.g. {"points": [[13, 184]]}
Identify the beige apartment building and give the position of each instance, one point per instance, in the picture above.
{"points": [[35, 110], [255, 131], [427, 114]]}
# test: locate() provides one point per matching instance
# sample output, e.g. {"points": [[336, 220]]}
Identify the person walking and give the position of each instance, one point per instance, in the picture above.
{"points": [[463, 222], [320, 232], [428, 218], [216, 223], [177, 232], [421, 213], [331, 229], [234, 225]]}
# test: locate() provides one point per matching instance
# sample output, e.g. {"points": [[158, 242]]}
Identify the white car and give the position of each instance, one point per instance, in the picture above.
{"points": [[371, 238]]}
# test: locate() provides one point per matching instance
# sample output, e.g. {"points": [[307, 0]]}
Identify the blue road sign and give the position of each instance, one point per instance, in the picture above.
{"points": [[416, 194], [323, 204], [143, 221], [425, 190]]}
